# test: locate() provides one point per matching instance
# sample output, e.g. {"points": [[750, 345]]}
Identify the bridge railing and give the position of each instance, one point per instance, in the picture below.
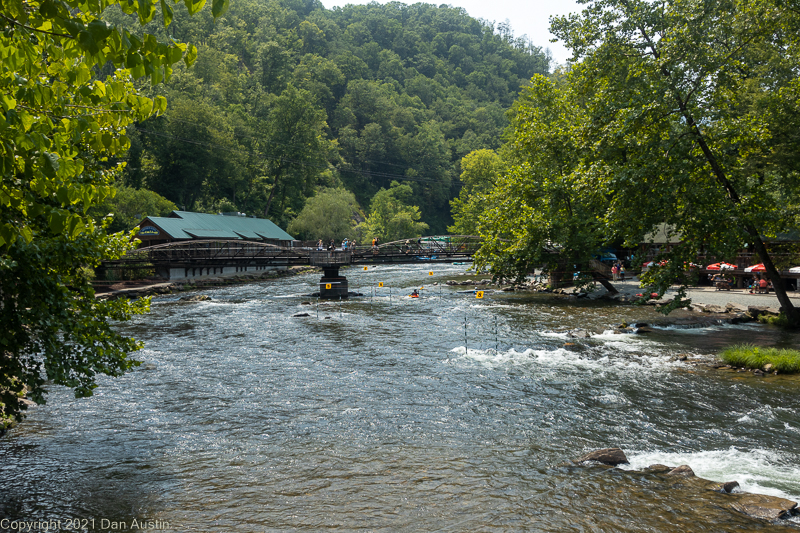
{"points": [[325, 258]]}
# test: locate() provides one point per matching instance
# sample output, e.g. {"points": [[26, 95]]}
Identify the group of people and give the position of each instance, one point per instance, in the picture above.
{"points": [[347, 244], [760, 285], [618, 271], [721, 282]]}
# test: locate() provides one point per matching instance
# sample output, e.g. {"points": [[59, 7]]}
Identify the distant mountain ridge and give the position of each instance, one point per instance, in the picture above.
{"points": [[287, 96]]}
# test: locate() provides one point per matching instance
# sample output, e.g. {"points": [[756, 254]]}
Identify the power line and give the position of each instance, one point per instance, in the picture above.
{"points": [[366, 173], [273, 142]]}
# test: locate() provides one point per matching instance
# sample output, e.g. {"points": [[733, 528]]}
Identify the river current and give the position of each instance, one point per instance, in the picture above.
{"points": [[386, 413]]}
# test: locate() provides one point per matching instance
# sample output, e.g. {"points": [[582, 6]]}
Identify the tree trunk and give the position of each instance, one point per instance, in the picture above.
{"points": [[788, 308]]}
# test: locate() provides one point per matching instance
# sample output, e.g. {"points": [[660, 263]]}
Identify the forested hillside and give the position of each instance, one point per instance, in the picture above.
{"points": [[286, 97]]}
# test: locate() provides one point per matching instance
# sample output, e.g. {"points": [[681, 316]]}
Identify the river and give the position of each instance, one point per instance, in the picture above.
{"points": [[370, 415]]}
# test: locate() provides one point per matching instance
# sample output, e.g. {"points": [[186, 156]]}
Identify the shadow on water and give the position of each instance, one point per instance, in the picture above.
{"points": [[379, 418]]}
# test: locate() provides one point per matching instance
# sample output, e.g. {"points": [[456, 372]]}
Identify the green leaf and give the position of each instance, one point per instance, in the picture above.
{"points": [[166, 13], [219, 7], [193, 6], [191, 55], [87, 42], [49, 163], [58, 221], [99, 30], [8, 102]]}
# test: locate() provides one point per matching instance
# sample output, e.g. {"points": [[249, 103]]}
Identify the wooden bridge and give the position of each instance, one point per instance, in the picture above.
{"points": [[203, 258]]}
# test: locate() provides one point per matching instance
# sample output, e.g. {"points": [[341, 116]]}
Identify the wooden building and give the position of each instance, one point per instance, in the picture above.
{"points": [[185, 226]]}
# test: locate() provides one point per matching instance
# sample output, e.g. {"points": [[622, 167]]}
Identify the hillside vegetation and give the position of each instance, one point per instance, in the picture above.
{"points": [[287, 97]]}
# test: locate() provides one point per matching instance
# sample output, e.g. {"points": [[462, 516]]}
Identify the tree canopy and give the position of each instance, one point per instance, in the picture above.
{"points": [[678, 113], [330, 214], [391, 216], [379, 93], [66, 96]]}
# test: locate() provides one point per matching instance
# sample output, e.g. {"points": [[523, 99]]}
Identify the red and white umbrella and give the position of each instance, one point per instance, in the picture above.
{"points": [[721, 266], [756, 268]]}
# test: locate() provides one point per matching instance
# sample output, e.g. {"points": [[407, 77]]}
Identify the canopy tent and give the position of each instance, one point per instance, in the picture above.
{"points": [[756, 268], [795, 270]]}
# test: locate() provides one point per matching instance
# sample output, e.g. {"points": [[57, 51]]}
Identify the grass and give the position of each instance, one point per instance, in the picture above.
{"points": [[784, 360]]}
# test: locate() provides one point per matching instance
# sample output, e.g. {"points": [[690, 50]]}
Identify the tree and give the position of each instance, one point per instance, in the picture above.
{"points": [[297, 146], [328, 215], [543, 208], [480, 171], [682, 124], [391, 217], [59, 127], [672, 114], [129, 206]]}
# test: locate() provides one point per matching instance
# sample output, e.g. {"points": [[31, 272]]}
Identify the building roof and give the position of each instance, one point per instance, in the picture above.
{"points": [[188, 225]]}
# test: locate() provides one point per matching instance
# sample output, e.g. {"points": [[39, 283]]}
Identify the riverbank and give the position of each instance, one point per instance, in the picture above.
{"points": [[155, 287]]}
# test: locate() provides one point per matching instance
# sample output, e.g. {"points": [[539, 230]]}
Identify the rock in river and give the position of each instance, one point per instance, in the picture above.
{"points": [[764, 507], [195, 298], [607, 456], [683, 470]]}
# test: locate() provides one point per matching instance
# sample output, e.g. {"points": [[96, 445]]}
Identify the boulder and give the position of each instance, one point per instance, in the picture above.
{"points": [[607, 456], [711, 308], [768, 367], [764, 507], [698, 308], [507, 289], [451, 282], [645, 329], [683, 470], [735, 308], [659, 469], [298, 315], [756, 310], [729, 486], [195, 298], [579, 334]]}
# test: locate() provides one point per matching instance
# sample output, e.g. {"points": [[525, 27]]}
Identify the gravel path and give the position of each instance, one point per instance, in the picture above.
{"points": [[709, 295]]}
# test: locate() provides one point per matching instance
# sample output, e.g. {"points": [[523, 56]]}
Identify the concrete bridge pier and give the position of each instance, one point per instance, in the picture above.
{"points": [[332, 286], [338, 284]]}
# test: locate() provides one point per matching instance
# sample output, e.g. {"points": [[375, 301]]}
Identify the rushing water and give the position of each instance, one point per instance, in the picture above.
{"points": [[372, 414]]}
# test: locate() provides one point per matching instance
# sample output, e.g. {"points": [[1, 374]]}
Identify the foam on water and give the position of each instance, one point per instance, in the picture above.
{"points": [[708, 329], [757, 470], [562, 358]]}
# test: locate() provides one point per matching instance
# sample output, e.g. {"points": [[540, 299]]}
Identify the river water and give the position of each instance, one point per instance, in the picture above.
{"points": [[371, 415]]}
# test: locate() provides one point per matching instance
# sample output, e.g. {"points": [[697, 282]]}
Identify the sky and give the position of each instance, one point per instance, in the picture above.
{"points": [[529, 17]]}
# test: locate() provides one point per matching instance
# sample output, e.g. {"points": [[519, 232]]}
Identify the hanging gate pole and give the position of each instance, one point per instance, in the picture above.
{"points": [[466, 346]]}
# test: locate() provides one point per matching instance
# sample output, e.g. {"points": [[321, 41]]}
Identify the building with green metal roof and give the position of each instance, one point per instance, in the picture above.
{"points": [[185, 226]]}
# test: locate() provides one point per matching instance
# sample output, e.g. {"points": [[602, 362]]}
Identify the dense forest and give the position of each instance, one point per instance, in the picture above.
{"points": [[287, 98]]}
